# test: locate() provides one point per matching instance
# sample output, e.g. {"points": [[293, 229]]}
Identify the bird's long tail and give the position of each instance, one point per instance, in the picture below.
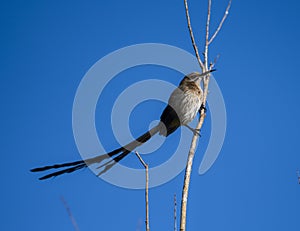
{"points": [[117, 154]]}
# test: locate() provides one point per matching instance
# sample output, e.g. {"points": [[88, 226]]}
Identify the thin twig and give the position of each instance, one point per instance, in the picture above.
{"points": [[207, 35], [70, 214], [211, 65], [146, 190], [141, 160], [175, 213], [298, 175], [221, 23], [192, 35]]}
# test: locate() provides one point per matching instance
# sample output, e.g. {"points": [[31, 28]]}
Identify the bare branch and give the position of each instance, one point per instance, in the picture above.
{"points": [[188, 171], [175, 213], [204, 67], [298, 175], [141, 160], [70, 214], [191, 154], [221, 23], [207, 35], [146, 190], [192, 36]]}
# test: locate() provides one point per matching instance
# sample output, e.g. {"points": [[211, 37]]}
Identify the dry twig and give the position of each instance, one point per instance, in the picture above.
{"points": [[175, 213], [192, 35], [146, 190], [207, 35], [74, 223], [221, 23], [204, 67]]}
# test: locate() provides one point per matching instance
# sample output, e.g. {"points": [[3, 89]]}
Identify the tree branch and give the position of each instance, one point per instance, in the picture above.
{"points": [[146, 190], [204, 67], [74, 223], [192, 35], [221, 23], [187, 177], [207, 35], [175, 213]]}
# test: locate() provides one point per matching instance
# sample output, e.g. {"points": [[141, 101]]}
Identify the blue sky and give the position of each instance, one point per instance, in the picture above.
{"points": [[48, 46]]}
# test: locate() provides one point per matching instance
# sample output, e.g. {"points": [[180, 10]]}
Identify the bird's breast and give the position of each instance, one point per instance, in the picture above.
{"points": [[186, 102]]}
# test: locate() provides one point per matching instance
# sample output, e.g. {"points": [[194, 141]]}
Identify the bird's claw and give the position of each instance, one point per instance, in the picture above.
{"points": [[202, 108], [197, 132], [194, 130]]}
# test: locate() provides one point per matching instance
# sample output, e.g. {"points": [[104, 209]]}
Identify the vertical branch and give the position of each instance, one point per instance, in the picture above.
{"points": [[147, 198], [192, 35], [207, 35], [187, 177], [189, 164], [206, 79], [175, 213], [298, 175], [146, 190], [74, 223], [204, 67]]}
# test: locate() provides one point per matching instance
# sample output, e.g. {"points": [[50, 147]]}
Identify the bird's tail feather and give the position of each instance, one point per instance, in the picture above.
{"points": [[76, 165], [60, 172]]}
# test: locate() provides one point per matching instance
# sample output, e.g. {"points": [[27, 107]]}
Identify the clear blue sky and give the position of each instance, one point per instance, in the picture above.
{"points": [[48, 46]]}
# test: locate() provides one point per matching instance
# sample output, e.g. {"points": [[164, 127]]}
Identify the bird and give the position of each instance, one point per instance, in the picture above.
{"points": [[183, 105]]}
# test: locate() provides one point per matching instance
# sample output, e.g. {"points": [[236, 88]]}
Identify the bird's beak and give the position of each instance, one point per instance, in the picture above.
{"points": [[202, 75]]}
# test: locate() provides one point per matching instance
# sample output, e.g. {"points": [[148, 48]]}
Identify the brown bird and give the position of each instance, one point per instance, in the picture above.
{"points": [[183, 105]]}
